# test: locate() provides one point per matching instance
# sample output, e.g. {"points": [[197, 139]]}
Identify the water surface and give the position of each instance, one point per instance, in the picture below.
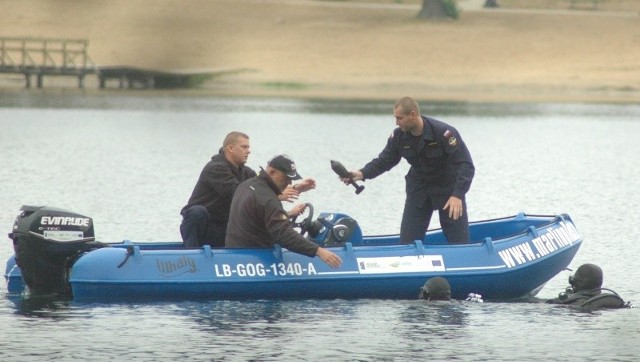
{"points": [[130, 162]]}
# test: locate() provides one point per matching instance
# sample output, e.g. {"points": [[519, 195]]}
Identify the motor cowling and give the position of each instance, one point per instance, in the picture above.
{"points": [[334, 229], [46, 240]]}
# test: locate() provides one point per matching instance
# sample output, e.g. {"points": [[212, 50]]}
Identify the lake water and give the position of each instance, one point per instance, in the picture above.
{"points": [[130, 160]]}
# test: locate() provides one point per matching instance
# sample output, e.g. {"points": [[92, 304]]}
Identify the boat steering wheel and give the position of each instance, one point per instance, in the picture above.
{"points": [[306, 222]]}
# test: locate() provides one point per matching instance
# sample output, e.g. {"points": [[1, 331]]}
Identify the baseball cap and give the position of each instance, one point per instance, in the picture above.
{"points": [[285, 164]]}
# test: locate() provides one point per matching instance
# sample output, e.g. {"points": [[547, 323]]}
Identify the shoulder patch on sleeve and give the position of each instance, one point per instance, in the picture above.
{"points": [[451, 139]]}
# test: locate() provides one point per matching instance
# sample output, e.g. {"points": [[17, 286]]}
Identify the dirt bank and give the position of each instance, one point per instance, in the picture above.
{"points": [[353, 49]]}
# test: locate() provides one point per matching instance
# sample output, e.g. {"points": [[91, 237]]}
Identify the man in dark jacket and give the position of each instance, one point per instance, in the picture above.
{"points": [[258, 220], [205, 217], [439, 178]]}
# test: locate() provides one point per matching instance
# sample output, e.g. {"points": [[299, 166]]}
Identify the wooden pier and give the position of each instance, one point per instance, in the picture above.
{"points": [[42, 57], [45, 57]]}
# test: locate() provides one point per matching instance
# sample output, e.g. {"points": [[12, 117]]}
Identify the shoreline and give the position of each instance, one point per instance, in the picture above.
{"points": [[480, 93], [450, 96]]}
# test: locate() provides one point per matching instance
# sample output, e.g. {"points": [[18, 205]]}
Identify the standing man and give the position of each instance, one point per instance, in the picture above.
{"points": [[205, 217], [440, 174], [258, 220]]}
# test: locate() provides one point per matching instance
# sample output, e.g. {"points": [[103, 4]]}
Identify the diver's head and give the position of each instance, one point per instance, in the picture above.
{"points": [[587, 277], [437, 288]]}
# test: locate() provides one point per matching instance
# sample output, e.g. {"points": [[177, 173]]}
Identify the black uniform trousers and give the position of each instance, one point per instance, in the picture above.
{"points": [[197, 228], [416, 219]]}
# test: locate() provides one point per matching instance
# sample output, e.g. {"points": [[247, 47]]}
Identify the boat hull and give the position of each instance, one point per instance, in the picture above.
{"points": [[509, 265]]}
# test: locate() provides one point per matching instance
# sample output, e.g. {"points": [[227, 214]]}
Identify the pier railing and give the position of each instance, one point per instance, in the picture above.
{"points": [[69, 57], [43, 56]]}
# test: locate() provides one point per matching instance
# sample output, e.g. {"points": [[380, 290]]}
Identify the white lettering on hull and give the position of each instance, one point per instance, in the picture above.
{"points": [[261, 270], [551, 241]]}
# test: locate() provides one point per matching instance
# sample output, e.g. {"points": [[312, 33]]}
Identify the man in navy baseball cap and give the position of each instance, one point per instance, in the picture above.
{"points": [[257, 218], [285, 164]]}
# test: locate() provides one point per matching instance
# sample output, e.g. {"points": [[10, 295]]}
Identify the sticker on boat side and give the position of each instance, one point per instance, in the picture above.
{"points": [[545, 244], [63, 235], [401, 264]]}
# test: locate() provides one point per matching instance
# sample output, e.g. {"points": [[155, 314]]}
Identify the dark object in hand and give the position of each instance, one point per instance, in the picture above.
{"points": [[338, 168]]}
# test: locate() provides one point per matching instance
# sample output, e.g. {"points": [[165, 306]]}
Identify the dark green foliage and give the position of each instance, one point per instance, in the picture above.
{"points": [[438, 9]]}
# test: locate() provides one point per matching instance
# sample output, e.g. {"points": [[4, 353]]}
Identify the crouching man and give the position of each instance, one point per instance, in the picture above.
{"points": [[258, 220]]}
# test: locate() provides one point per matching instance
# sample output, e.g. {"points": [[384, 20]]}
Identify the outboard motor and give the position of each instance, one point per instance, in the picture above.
{"points": [[46, 241]]}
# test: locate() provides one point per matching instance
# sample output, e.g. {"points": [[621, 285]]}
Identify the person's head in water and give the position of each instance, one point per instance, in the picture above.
{"points": [[587, 277], [437, 288]]}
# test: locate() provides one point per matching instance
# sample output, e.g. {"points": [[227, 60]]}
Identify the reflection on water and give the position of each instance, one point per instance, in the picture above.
{"points": [[432, 315], [230, 317], [129, 160], [40, 306]]}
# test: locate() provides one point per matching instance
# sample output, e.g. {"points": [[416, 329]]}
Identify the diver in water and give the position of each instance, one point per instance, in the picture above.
{"points": [[586, 291], [438, 288]]}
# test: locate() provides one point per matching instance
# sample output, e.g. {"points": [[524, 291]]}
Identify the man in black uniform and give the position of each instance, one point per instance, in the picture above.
{"points": [[440, 174], [205, 217], [258, 220]]}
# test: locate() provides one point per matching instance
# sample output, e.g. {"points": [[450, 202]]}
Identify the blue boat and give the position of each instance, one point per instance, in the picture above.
{"points": [[509, 257]]}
